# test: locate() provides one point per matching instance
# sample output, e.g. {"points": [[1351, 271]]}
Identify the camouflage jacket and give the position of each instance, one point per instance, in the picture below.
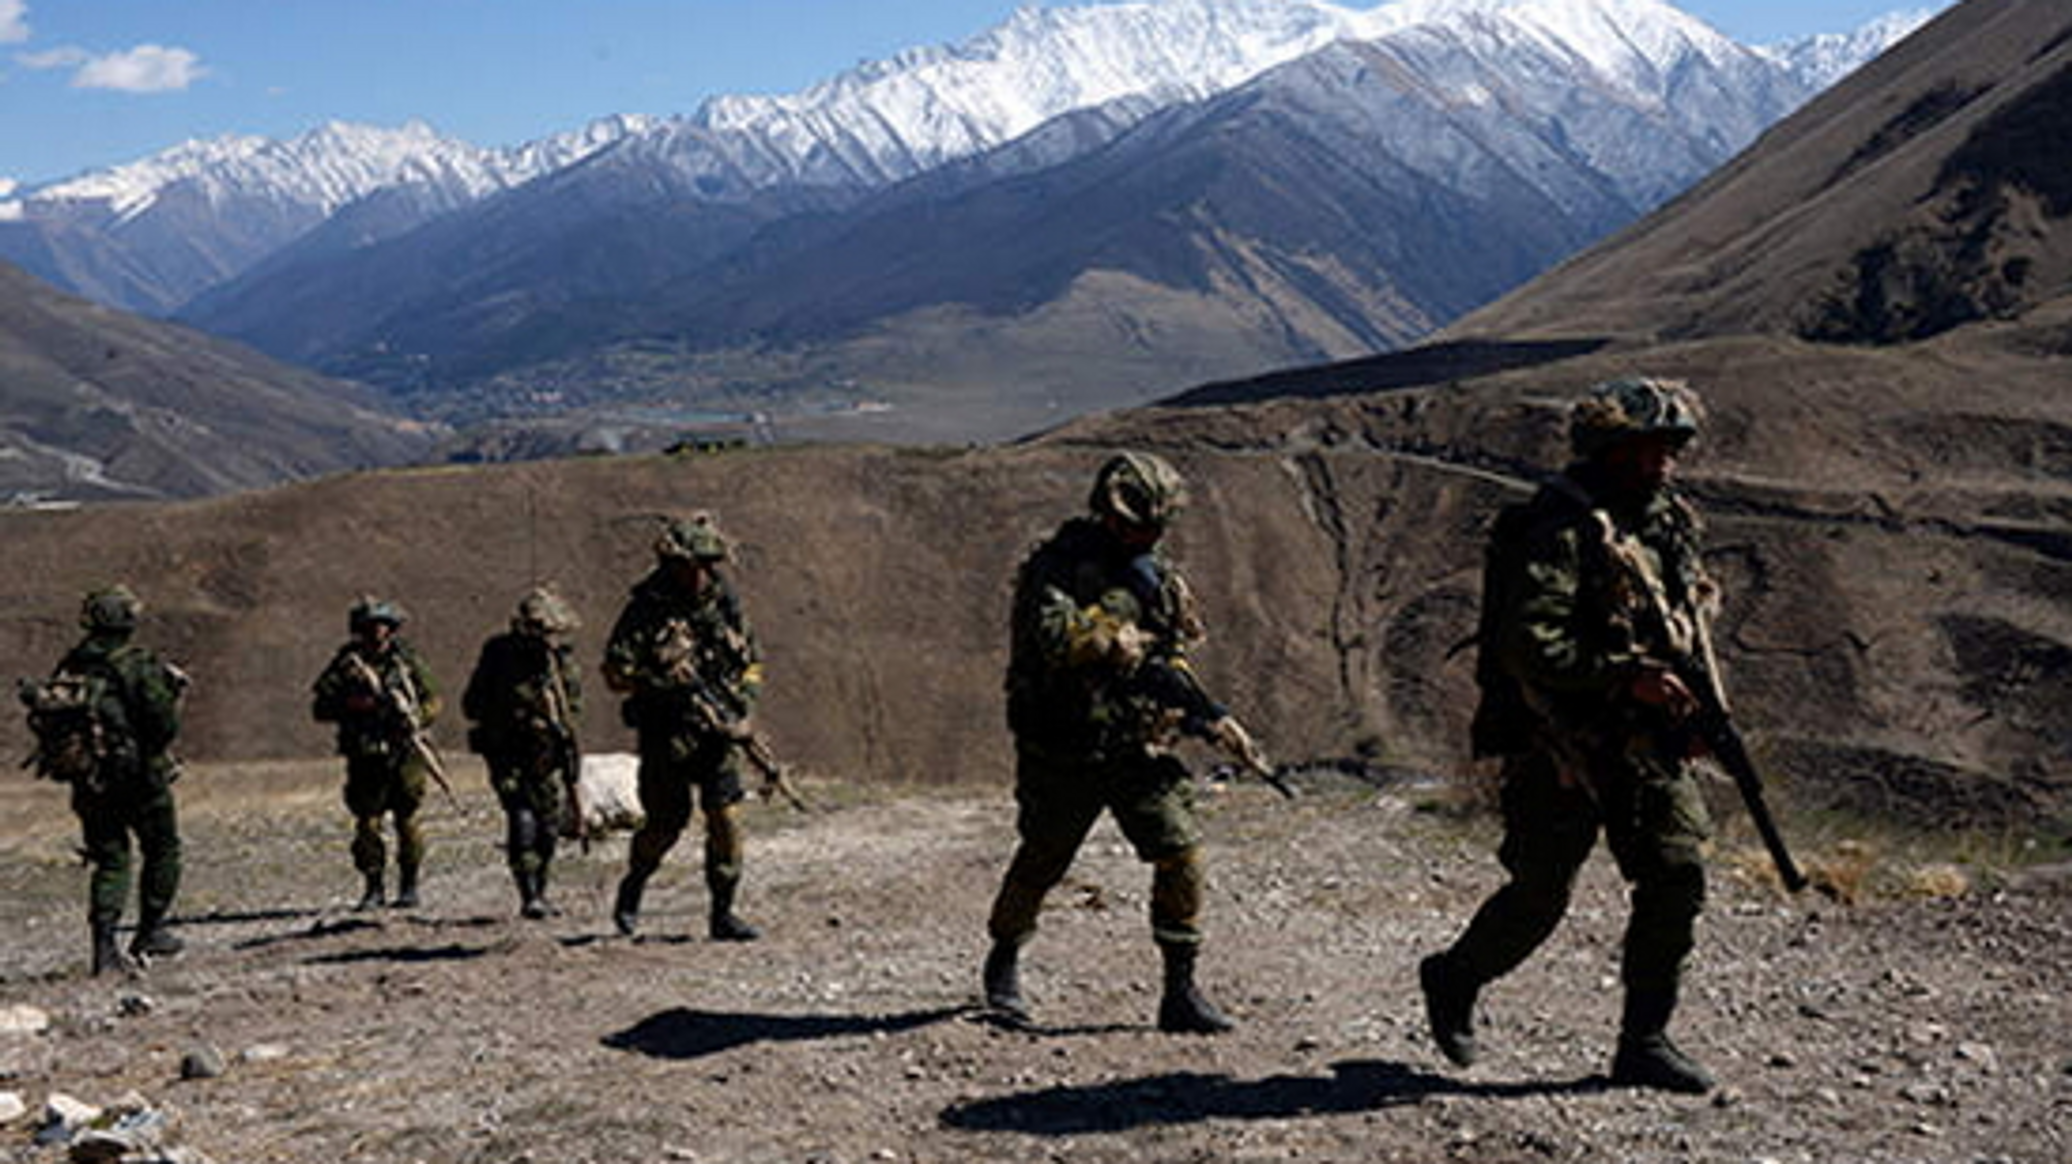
{"points": [[524, 691], [1579, 587], [671, 647], [385, 728], [142, 718], [1066, 694]]}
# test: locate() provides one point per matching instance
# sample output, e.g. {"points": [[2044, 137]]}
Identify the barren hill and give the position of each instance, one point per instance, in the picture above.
{"points": [[96, 404]]}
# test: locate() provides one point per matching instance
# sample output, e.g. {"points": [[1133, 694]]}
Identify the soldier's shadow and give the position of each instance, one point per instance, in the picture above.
{"points": [[1186, 1097], [683, 1033]]}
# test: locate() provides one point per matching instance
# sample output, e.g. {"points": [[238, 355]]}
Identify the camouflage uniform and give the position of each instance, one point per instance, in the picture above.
{"points": [[525, 699], [1091, 736], [134, 792], [685, 658], [1567, 628], [384, 774]]}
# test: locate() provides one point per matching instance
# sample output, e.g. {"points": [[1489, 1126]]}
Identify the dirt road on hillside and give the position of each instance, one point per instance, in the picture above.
{"points": [[1898, 1029]]}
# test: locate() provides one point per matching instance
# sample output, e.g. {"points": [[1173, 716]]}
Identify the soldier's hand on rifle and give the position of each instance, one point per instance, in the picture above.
{"points": [[1129, 646], [1655, 685], [1231, 736], [742, 728]]}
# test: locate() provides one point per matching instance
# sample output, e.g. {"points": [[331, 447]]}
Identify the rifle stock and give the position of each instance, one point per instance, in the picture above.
{"points": [[405, 708]]}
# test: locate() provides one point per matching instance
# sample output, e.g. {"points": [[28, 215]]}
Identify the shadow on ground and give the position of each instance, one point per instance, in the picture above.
{"points": [[681, 1033], [1190, 1097]]}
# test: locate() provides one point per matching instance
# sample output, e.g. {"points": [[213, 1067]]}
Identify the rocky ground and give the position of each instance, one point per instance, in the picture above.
{"points": [[1924, 1021]]}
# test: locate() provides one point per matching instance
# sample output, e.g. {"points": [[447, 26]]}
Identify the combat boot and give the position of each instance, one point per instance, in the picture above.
{"points": [[373, 896], [726, 925], [155, 940], [1182, 1009], [531, 904], [1449, 1010], [1003, 984], [626, 908], [1653, 1061], [1646, 1057], [406, 888], [107, 951]]}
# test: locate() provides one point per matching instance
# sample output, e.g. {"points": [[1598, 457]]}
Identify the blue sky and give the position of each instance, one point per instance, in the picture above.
{"points": [[86, 83]]}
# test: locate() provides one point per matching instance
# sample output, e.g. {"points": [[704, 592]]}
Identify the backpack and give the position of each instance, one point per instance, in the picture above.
{"points": [[68, 716], [1504, 722]]}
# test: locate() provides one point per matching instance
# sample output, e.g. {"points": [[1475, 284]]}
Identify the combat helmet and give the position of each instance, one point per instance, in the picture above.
{"points": [[368, 610], [1631, 406], [1140, 489], [544, 612], [113, 608], [695, 538]]}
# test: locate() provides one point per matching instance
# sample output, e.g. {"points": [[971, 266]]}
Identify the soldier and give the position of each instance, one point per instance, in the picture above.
{"points": [[686, 661], [381, 695], [1582, 586], [105, 724], [1097, 683], [525, 698]]}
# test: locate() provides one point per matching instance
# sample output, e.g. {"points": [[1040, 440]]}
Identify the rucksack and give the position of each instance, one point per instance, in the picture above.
{"points": [[1504, 722], [68, 716]]}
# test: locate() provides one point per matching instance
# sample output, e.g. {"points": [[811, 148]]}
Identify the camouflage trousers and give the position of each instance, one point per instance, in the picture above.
{"points": [[674, 768], [1653, 818], [107, 823], [534, 799], [387, 785], [1058, 799]]}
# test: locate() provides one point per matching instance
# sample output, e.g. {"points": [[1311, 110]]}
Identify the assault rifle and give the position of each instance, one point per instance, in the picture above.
{"points": [[1169, 682], [565, 752], [1711, 723], [402, 704], [776, 777], [676, 649]]}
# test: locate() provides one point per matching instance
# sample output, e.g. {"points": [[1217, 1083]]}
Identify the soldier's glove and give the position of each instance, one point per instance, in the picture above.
{"points": [[1656, 685], [1098, 637], [1230, 735], [739, 730]]}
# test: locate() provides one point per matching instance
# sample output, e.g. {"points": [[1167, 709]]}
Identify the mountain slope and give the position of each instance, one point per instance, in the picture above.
{"points": [[1926, 191], [150, 235], [1354, 198], [98, 405]]}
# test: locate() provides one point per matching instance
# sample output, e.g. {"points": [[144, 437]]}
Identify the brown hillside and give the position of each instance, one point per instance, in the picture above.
{"points": [[1927, 191], [96, 405], [1897, 640]]}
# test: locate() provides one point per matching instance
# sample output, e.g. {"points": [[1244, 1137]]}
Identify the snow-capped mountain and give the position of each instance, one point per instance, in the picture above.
{"points": [[155, 234], [324, 169], [889, 120], [1823, 59], [151, 234], [1422, 159]]}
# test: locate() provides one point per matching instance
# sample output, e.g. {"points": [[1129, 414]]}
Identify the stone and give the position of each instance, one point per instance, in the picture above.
{"points": [[202, 1062], [63, 1116], [23, 1020], [12, 1107]]}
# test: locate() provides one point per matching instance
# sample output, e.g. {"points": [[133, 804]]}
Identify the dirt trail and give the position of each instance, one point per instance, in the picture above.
{"points": [[1918, 1030]]}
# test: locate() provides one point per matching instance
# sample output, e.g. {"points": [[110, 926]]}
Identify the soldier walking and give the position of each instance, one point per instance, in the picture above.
{"points": [[1097, 684], [105, 724], [525, 700], [379, 692], [1588, 588], [685, 659]]}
